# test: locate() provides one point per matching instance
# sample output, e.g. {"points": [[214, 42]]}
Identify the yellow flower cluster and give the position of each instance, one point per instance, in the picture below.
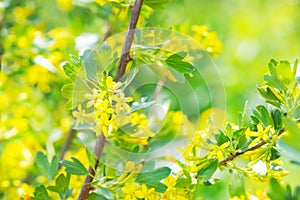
{"points": [[108, 108], [208, 40], [133, 191]]}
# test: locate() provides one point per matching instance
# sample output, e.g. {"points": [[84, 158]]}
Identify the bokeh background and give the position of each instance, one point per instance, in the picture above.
{"points": [[37, 36]]}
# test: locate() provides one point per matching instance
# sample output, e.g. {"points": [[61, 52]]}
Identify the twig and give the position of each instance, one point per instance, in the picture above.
{"points": [[258, 145], [125, 58], [67, 143], [86, 188], [2, 22]]}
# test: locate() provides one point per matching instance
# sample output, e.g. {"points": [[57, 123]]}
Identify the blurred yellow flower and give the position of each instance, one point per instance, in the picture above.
{"points": [[64, 5], [131, 192]]}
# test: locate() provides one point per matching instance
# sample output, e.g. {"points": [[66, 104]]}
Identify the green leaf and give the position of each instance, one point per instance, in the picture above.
{"points": [[276, 192], [40, 193], [237, 185], [216, 191], [153, 178], [209, 170], [48, 168], [292, 136], [94, 196], [176, 62], [75, 167], [110, 172], [148, 166], [284, 72], [67, 91], [61, 184], [71, 70], [221, 139], [90, 65], [156, 4], [274, 154], [262, 114], [182, 182], [75, 60], [276, 116]]}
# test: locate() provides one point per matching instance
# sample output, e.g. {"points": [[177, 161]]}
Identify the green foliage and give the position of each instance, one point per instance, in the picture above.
{"points": [[278, 192], [61, 186], [48, 168], [40, 193], [152, 179], [33, 68], [75, 167]]}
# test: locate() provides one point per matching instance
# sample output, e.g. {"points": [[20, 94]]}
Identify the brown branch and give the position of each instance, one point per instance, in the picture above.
{"points": [[258, 145], [86, 188], [67, 143], [125, 58]]}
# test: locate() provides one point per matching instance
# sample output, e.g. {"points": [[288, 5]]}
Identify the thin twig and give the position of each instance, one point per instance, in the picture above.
{"points": [[258, 145], [67, 143], [2, 22], [125, 58]]}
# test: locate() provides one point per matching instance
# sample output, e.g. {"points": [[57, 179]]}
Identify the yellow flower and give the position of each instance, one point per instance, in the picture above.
{"points": [[65, 5], [261, 134], [95, 97], [131, 193], [21, 13], [80, 115], [149, 194], [139, 119], [40, 76], [112, 86], [121, 102], [218, 151], [102, 2]]}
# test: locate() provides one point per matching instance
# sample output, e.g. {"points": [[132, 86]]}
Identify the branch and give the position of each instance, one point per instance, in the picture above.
{"points": [[125, 58], [258, 145], [67, 143]]}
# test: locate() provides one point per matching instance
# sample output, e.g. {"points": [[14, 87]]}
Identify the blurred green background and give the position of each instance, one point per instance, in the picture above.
{"points": [[251, 32]]}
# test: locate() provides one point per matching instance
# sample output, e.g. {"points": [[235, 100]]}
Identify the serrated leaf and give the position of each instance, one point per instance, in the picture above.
{"points": [[75, 60], [90, 65], [48, 168], [153, 178], [75, 167], [40, 193], [176, 62], [61, 184], [209, 170], [71, 70]]}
